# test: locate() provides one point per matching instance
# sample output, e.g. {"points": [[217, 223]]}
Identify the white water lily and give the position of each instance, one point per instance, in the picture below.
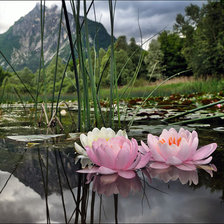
{"points": [[87, 140]]}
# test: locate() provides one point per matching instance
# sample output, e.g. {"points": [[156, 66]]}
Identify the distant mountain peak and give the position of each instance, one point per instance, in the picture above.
{"points": [[21, 44]]}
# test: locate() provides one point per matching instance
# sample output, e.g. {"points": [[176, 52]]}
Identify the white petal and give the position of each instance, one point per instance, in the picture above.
{"points": [[80, 150], [122, 133], [84, 140]]}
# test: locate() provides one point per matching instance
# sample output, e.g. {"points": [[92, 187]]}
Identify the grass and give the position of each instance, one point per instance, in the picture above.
{"points": [[183, 86]]}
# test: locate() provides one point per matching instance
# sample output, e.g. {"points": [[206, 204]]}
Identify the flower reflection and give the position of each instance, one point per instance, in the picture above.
{"points": [[172, 174], [115, 184]]}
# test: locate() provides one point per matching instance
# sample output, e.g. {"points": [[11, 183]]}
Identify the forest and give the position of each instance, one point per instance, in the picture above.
{"points": [[195, 47]]}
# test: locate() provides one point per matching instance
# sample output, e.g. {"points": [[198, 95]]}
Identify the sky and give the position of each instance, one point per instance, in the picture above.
{"points": [[154, 15]]}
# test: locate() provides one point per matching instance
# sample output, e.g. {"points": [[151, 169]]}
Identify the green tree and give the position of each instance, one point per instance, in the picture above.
{"points": [[203, 30], [136, 52], [3, 74], [121, 43], [124, 73], [154, 61], [171, 45], [50, 71]]}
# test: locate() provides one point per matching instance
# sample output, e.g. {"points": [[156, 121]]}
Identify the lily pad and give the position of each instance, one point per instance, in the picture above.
{"points": [[199, 125], [154, 129], [73, 136], [220, 129], [33, 138]]}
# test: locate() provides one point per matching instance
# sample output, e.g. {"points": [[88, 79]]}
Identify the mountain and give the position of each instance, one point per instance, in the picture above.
{"points": [[21, 44]]}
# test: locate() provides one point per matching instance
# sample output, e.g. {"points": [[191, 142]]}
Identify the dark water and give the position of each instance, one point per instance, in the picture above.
{"points": [[39, 184]]}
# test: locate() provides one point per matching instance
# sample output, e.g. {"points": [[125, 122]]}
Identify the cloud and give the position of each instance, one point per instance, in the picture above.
{"points": [[153, 15]]}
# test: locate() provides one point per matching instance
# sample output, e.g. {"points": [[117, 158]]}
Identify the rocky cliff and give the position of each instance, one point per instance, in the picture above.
{"points": [[21, 44]]}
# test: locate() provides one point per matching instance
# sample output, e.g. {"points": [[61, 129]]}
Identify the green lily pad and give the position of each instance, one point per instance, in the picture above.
{"points": [[33, 138], [220, 129]]}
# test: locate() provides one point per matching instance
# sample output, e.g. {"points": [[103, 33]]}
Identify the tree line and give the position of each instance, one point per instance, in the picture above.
{"points": [[196, 42]]}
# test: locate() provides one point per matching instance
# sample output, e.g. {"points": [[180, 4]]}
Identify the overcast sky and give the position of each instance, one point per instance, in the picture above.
{"points": [[153, 15]]}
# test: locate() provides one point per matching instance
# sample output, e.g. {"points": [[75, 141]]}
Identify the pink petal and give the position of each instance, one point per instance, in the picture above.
{"points": [[128, 174], [105, 156], [187, 167], [156, 154], [166, 150], [165, 134], [152, 141], [157, 165], [144, 160], [173, 161], [134, 144], [184, 150], [135, 163], [173, 133], [194, 146], [143, 148], [91, 155], [204, 151], [123, 159], [108, 179], [94, 169], [205, 161], [105, 170]]}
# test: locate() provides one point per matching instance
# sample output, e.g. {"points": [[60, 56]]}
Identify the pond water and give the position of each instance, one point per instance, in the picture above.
{"points": [[39, 182]]}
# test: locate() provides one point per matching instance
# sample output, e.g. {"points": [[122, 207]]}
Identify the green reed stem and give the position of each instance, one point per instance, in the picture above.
{"points": [[60, 185], [116, 208], [17, 75], [139, 107], [81, 56], [20, 98], [91, 74], [102, 73], [62, 81], [42, 52], [199, 119], [19, 162], [112, 64], [92, 207], [132, 81], [44, 185], [74, 63], [78, 199], [3, 90], [194, 110], [56, 65], [63, 77]]}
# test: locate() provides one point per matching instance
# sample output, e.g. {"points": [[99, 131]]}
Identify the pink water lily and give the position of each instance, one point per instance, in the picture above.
{"points": [[178, 149], [87, 140], [116, 155]]}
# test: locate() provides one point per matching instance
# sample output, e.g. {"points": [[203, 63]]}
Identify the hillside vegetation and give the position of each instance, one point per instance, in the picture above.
{"points": [[195, 47]]}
